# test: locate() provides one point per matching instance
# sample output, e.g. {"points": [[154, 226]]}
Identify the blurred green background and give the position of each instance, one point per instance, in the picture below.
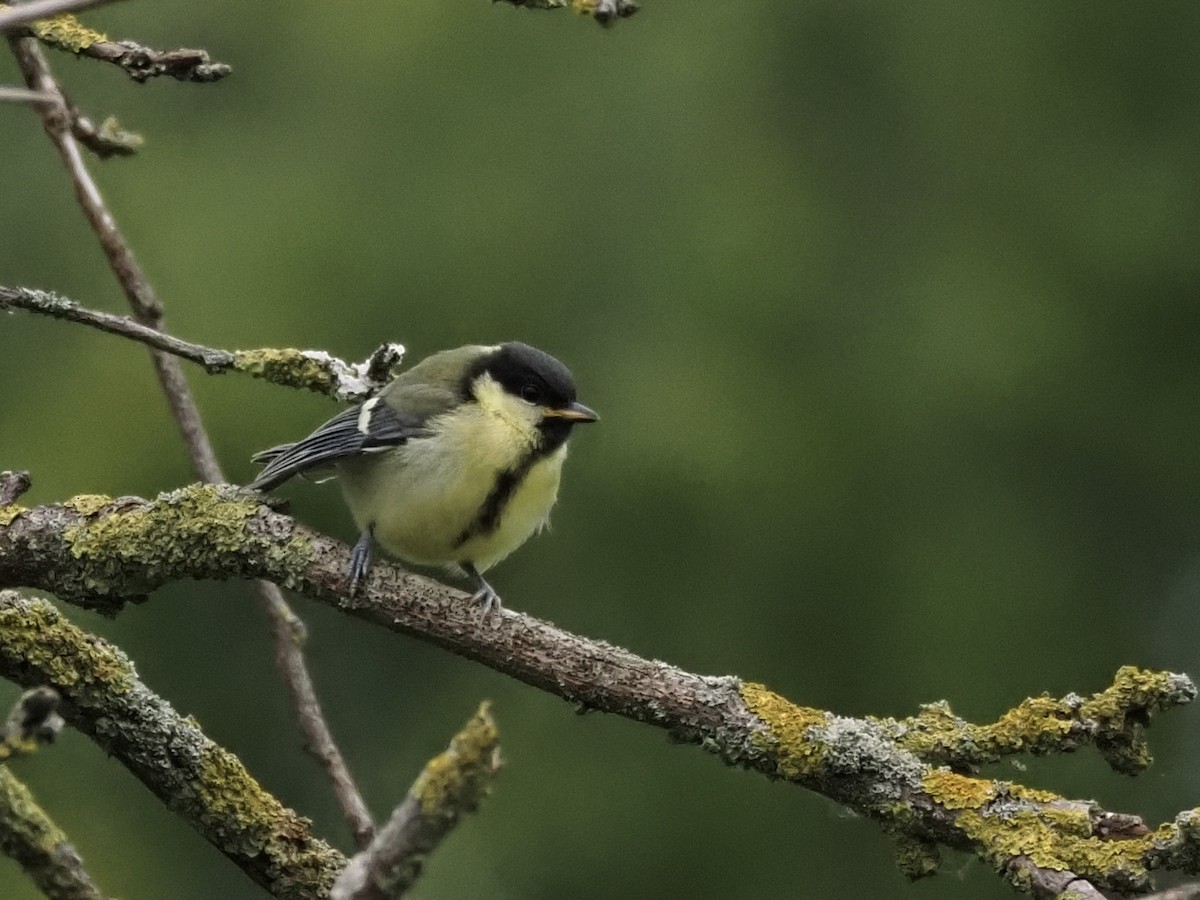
{"points": [[891, 312]]}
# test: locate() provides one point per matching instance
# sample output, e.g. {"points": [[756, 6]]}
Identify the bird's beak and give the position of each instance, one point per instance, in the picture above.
{"points": [[572, 412]]}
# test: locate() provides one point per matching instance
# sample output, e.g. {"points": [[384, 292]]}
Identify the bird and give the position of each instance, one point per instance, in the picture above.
{"points": [[455, 463]]}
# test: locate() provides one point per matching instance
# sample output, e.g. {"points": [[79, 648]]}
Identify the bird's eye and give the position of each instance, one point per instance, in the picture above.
{"points": [[531, 394]]}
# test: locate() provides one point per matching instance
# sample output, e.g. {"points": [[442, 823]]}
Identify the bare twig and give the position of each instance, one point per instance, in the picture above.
{"points": [[49, 304], [17, 16], [39, 846], [100, 553], [289, 635], [143, 63], [24, 95], [148, 311], [311, 369], [452, 783]]}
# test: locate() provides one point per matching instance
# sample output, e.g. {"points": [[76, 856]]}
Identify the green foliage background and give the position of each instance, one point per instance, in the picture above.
{"points": [[891, 313]]}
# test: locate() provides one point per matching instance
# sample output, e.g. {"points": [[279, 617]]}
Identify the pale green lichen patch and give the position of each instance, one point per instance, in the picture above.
{"points": [[787, 739], [9, 513], [38, 636], [229, 794], [67, 33], [199, 530], [88, 504], [456, 780], [290, 368]]}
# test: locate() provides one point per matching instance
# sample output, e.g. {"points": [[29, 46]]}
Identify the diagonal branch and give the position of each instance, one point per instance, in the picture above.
{"points": [[202, 782], [33, 840], [100, 553], [452, 783]]}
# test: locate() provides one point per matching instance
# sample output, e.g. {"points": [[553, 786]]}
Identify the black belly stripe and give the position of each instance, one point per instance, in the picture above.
{"points": [[553, 434], [507, 482], [502, 491]]}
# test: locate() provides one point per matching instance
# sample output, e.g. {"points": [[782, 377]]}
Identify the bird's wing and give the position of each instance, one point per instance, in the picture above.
{"points": [[370, 428]]}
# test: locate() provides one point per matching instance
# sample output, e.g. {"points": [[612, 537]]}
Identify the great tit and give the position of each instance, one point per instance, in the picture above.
{"points": [[456, 463]]}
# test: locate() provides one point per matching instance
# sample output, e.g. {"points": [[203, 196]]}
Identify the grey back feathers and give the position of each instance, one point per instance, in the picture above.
{"points": [[362, 429], [435, 385]]}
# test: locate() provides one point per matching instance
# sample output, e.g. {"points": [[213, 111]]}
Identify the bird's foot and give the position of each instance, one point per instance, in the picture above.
{"points": [[489, 602], [360, 561], [485, 595]]}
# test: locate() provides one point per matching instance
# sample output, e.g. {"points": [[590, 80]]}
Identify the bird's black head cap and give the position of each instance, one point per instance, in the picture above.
{"points": [[528, 373], [536, 377]]}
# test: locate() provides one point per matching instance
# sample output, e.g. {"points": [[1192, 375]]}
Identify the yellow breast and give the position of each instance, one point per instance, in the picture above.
{"points": [[422, 497]]}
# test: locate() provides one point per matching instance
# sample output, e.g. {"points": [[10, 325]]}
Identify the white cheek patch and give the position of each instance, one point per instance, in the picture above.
{"points": [[364, 415]]}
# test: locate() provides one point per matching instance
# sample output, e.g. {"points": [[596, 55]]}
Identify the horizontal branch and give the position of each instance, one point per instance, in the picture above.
{"points": [[143, 63], [65, 32], [99, 553], [312, 370], [202, 782]]}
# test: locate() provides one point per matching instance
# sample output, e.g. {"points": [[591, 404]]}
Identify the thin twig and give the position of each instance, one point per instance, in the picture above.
{"points": [[142, 63], [289, 635], [33, 840], [452, 783], [24, 95], [17, 16], [49, 304], [311, 369], [148, 311]]}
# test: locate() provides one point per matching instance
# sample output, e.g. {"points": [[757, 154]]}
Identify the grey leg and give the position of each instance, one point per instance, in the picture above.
{"points": [[360, 559]]}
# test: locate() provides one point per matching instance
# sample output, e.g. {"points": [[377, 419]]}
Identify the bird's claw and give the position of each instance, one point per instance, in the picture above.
{"points": [[489, 602]]}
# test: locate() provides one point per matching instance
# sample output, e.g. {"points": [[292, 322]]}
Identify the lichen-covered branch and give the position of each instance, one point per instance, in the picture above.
{"points": [[66, 32], [452, 783], [313, 370], [99, 552], [1111, 719], [31, 839], [204, 783]]}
